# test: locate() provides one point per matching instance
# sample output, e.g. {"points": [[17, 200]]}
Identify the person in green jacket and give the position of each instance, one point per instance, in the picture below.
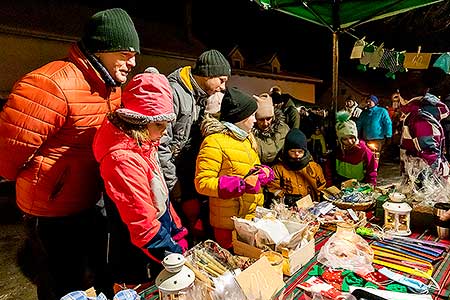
{"points": [[284, 103], [269, 130]]}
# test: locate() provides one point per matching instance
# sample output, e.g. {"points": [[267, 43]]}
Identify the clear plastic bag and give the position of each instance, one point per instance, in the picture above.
{"points": [[345, 249]]}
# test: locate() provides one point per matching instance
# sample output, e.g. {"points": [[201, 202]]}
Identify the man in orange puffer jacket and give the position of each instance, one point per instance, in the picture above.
{"points": [[46, 131]]}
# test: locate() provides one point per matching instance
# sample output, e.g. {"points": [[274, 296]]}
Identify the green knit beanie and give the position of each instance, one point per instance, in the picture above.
{"points": [[212, 63], [345, 126], [110, 30]]}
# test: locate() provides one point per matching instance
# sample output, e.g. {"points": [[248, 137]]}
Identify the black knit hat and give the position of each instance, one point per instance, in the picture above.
{"points": [[109, 31], [295, 139], [212, 63], [237, 106]]}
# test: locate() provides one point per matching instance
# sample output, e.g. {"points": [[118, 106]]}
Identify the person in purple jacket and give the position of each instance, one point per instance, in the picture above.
{"points": [[423, 136], [354, 160]]}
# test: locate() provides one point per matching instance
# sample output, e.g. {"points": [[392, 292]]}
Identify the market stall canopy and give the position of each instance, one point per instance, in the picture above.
{"points": [[342, 15]]}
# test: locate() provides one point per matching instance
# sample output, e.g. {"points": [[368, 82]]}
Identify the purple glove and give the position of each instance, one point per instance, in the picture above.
{"points": [[252, 184], [231, 187], [180, 238], [183, 243], [265, 174], [180, 235]]}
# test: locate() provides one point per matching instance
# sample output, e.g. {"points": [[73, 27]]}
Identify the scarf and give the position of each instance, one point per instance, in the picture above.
{"points": [[98, 66], [297, 164], [236, 131]]}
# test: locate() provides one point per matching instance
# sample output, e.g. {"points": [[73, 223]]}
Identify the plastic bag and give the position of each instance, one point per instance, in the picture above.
{"points": [[345, 249]]}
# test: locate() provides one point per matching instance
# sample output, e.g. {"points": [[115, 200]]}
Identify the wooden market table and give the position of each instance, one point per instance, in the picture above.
{"points": [[441, 271]]}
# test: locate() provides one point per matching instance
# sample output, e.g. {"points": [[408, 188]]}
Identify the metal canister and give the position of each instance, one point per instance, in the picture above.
{"points": [[442, 227]]}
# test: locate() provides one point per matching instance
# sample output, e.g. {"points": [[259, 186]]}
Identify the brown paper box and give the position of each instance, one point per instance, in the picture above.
{"points": [[293, 260], [260, 280]]}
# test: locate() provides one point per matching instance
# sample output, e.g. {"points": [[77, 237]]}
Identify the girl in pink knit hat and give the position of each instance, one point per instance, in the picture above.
{"points": [[144, 226]]}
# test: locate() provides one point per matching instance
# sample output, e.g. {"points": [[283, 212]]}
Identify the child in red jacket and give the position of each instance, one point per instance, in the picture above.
{"points": [[126, 147]]}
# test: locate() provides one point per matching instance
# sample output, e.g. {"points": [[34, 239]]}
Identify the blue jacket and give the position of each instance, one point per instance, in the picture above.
{"points": [[374, 124]]}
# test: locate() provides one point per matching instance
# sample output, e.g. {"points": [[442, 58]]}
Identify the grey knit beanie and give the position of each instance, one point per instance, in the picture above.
{"points": [[212, 63], [109, 31]]}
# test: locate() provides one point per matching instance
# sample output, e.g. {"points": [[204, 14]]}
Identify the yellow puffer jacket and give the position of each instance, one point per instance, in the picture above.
{"points": [[221, 153]]}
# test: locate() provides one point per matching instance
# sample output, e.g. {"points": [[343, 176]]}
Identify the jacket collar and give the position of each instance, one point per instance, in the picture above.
{"points": [[77, 57]]}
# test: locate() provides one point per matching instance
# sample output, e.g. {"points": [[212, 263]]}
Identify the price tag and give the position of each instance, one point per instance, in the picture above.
{"points": [[353, 215], [324, 210]]}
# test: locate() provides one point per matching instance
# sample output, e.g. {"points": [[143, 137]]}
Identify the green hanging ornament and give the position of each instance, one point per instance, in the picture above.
{"points": [[390, 75], [361, 68], [369, 48]]}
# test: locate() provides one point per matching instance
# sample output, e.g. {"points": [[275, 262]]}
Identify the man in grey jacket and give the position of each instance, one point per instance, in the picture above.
{"points": [[179, 147]]}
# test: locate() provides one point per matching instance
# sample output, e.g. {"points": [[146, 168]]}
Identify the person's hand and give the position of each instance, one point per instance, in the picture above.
{"points": [[445, 216], [231, 186], [252, 184], [180, 234], [265, 175], [183, 243]]}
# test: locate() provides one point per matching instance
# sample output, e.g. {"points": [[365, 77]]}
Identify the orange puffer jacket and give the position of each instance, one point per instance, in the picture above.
{"points": [[46, 131]]}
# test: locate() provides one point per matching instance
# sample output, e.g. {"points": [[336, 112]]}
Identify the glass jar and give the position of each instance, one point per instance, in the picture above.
{"points": [[346, 231]]}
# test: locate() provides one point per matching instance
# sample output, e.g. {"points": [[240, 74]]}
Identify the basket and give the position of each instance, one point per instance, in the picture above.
{"points": [[360, 223], [357, 206]]}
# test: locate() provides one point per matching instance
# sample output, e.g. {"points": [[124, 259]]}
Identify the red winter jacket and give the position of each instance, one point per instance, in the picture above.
{"points": [[135, 183], [46, 132]]}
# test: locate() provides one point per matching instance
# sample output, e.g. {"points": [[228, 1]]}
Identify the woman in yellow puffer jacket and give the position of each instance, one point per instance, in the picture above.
{"points": [[228, 169]]}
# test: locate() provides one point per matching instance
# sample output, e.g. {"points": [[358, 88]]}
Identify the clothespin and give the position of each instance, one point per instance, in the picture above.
{"points": [[418, 58]]}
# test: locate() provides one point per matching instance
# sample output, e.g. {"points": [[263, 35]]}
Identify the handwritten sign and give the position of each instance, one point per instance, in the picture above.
{"points": [[260, 281]]}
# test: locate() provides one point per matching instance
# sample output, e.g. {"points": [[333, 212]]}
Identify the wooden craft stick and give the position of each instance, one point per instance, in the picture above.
{"points": [[215, 262], [423, 249], [208, 269], [405, 263], [215, 268], [199, 275]]}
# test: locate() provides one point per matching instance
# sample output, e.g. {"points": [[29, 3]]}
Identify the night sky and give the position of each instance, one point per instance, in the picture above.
{"points": [[306, 48], [302, 47]]}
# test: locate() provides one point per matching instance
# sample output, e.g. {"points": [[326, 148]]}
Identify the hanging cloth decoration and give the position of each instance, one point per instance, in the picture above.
{"points": [[358, 48], [443, 62], [393, 61], [417, 60], [367, 54], [376, 57]]}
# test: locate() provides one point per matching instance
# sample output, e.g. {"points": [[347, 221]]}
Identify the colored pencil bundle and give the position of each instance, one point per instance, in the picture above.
{"points": [[412, 256]]}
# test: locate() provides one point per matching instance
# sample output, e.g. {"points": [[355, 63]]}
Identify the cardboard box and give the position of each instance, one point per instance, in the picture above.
{"points": [[293, 260]]}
